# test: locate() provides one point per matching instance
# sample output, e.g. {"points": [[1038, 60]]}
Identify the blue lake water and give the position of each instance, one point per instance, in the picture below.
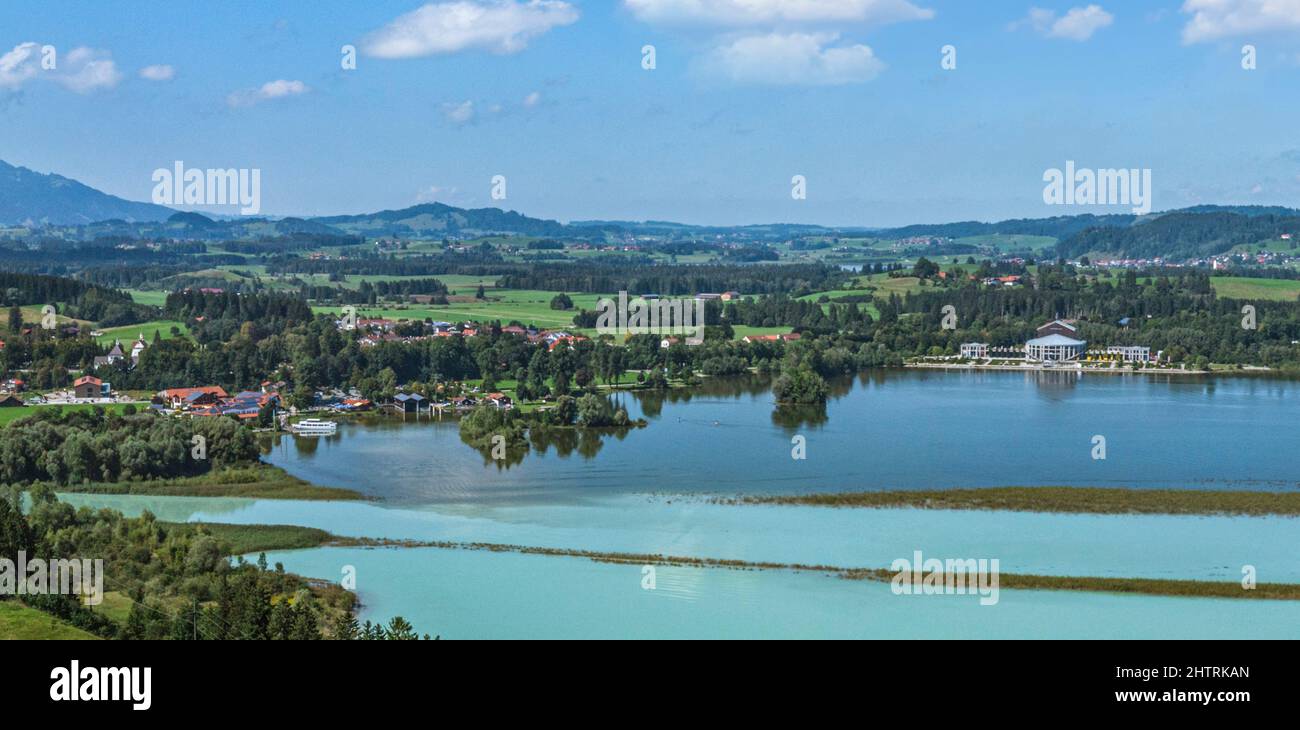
{"points": [[887, 430]]}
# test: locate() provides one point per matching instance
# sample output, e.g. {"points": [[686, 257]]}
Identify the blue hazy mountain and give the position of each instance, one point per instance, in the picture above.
{"points": [[29, 196]]}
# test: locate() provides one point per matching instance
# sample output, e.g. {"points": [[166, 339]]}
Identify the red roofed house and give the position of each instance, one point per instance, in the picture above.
{"points": [[89, 387], [774, 338], [193, 397]]}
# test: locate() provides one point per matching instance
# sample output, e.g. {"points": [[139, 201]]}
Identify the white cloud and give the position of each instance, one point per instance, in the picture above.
{"points": [[792, 58], [82, 70], [532, 100], [158, 72], [1215, 19], [277, 89], [766, 12], [499, 26], [85, 70], [1078, 24], [458, 113], [19, 65]]}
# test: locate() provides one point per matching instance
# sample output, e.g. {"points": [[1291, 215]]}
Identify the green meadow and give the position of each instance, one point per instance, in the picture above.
{"points": [[1240, 287], [22, 623], [9, 415], [507, 305], [129, 333], [151, 298]]}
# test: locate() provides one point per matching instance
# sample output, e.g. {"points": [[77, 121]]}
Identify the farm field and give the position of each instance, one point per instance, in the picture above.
{"points": [[32, 315], [130, 333], [886, 286], [1009, 242], [1273, 244], [151, 298], [9, 415], [527, 306], [743, 330], [1238, 287]]}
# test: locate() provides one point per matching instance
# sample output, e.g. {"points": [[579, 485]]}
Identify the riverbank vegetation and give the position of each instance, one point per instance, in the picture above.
{"points": [[254, 481], [110, 452], [1088, 500], [179, 580]]}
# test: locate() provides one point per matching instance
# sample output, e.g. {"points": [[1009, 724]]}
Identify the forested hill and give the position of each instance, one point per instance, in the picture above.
{"points": [[1181, 235], [437, 219], [1058, 227]]}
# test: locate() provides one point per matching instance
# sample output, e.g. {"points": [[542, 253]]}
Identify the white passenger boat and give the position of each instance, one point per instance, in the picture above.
{"points": [[315, 427]]}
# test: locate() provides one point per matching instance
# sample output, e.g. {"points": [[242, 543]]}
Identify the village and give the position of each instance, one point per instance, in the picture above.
{"points": [[267, 408]]}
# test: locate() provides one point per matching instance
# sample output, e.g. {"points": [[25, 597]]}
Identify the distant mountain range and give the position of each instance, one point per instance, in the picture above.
{"points": [[30, 197], [64, 208]]}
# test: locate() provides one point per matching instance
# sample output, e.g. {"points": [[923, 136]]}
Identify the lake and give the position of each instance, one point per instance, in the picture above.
{"points": [[907, 429], [886, 430]]}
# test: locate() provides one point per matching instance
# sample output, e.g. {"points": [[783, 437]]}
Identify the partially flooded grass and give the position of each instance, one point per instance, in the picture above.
{"points": [[1081, 500]]}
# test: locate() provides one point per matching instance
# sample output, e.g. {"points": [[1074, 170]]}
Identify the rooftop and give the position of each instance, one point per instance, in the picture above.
{"points": [[1056, 340]]}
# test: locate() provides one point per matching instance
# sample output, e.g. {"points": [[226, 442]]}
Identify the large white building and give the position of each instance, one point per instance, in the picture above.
{"points": [[1055, 348], [1056, 343], [1131, 354], [975, 350]]}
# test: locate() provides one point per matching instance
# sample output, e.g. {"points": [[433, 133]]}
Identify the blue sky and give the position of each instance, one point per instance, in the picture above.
{"points": [[745, 95]]}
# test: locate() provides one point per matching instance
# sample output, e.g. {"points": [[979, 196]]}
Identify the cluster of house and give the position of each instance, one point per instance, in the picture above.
{"points": [[630, 247], [1012, 280], [416, 403], [918, 242], [789, 337], [1058, 342], [1131, 263], [382, 330], [213, 400], [1263, 258]]}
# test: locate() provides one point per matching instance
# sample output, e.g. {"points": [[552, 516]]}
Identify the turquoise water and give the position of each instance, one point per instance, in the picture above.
{"points": [[1149, 546], [887, 430], [481, 595]]}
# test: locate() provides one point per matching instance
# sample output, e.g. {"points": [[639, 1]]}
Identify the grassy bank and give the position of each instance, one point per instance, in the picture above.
{"points": [[247, 539], [1085, 500], [262, 481], [1138, 586], [20, 622]]}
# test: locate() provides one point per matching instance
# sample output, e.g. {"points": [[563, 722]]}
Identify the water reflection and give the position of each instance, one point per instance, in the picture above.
{"points": [[1054, 385], [795, 418]]}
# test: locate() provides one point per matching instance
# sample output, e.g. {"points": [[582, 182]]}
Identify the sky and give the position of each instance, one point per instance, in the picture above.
{"points": [[744, 95]]}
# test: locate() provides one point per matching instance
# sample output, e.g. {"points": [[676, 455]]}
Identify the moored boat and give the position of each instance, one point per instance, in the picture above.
{"points": [[315, 427]]}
